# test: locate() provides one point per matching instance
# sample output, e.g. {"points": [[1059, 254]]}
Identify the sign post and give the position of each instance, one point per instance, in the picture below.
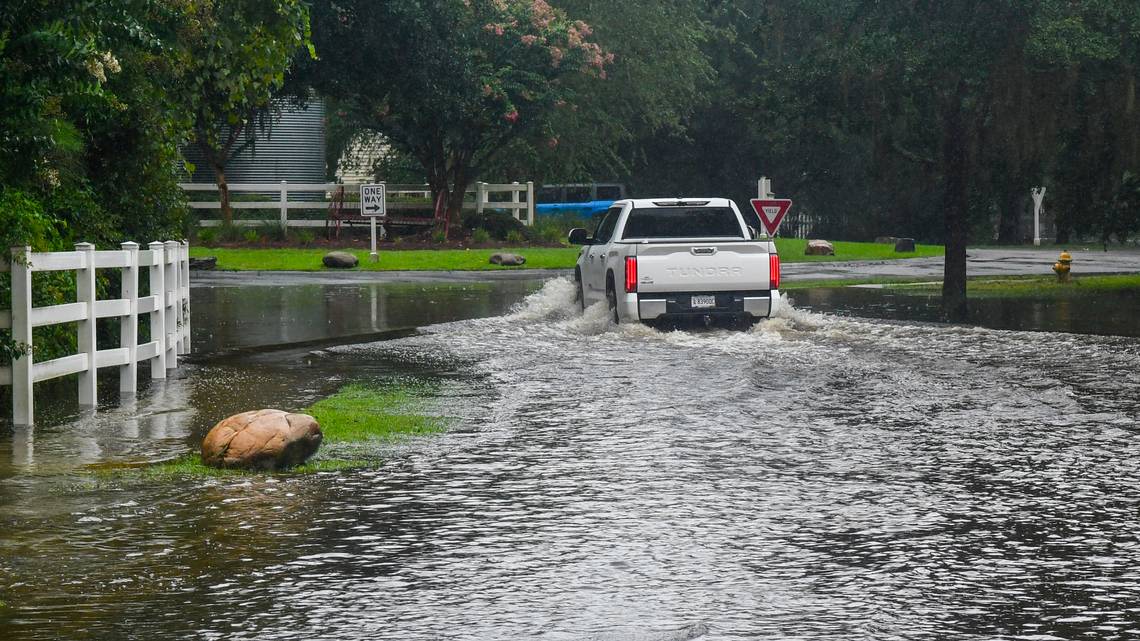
{"points": [[771, 212], [1038, 194], [373, 203]]}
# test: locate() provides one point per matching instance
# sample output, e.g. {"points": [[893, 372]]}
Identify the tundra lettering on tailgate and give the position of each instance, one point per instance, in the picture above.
{"points": [[704, 272]]}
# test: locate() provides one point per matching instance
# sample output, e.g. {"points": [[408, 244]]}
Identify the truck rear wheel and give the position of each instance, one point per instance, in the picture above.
{"points": [[611, 298], [580, 292]]}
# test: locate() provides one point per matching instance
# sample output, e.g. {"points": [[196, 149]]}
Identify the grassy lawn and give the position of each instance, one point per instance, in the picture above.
{"points": [[1033, 286], [791, 251], [356, 422]]}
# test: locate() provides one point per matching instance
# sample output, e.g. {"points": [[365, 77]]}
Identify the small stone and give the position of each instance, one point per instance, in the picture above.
{"points": [[340, 260], [507, 260], [905, 245], [205, 262], [819, 248], [262, 440]]}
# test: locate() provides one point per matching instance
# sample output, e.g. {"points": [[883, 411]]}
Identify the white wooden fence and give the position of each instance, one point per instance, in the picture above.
{"points": [[167, 304], [318, 196]]}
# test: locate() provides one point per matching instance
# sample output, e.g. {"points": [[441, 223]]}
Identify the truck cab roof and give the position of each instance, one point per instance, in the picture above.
{"points": [[674, 201]]}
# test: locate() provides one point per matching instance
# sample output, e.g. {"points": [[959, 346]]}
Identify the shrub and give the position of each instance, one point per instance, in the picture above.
{"points": [[207, 236], [271, 230], [251, 236], [515, 236], [480, 236], [305, 237], [438, 236], [497, 223]]}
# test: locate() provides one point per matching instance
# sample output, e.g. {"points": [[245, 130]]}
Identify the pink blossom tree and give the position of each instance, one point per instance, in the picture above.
{"points": [[451, 82]]}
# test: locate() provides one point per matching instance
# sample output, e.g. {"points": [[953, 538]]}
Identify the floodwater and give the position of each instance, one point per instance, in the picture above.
{"points": [[819, 477]]}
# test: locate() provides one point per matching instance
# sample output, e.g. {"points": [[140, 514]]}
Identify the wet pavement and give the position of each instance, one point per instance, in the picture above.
{"points": [[979, 262], [835, 473]]}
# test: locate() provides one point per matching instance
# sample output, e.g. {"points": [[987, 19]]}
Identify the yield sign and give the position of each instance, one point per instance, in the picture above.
{"points": [[771, 212]]}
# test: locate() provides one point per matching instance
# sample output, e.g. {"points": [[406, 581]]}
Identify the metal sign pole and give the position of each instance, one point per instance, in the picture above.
{"points": [[372, 223]]}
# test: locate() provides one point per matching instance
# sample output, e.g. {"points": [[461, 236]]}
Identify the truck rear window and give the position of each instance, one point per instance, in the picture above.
{"points": [[682, 222]]}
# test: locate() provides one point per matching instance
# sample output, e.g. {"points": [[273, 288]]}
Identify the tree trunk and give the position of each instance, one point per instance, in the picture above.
{"points": [[955, 162], [455, 208], [224, 195]]}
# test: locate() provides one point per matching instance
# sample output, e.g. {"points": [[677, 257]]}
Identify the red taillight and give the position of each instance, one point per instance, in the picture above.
{"points": [[774, 271], [630, 274]]}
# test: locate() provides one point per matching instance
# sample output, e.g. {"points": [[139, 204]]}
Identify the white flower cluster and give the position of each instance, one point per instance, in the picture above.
{"points": [[98, 68]]}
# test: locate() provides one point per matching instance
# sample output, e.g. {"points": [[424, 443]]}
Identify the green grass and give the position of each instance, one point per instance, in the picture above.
{"points": [[390, 259], [1034, 286], [291, 259], [354, 422], [792, 251]]}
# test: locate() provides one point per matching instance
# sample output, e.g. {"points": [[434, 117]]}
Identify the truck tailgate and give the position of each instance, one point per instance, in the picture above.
{"points": [[700, 267]]}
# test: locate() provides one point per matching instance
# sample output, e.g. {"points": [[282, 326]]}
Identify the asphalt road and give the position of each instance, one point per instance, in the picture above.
{"points": [[980, 262]]}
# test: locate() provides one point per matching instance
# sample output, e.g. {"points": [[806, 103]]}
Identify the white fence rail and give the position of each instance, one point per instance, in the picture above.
{"points": [[518, 198], [166, 306]]}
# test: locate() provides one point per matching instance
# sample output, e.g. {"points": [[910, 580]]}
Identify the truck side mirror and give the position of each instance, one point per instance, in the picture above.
{"points": [[579, 236]]}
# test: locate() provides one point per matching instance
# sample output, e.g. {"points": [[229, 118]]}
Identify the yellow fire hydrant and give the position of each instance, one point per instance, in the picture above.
{"points": [[1063, 266]]}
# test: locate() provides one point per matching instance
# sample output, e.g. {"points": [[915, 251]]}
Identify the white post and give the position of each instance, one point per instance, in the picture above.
{"points": [[530, 203], [184, 290], [1038, 194], [158, 316], [515, 201], [129, 324], [764, 188], [171, 302], [480, 191], [284, 204], [85, 293], [21, 272]]}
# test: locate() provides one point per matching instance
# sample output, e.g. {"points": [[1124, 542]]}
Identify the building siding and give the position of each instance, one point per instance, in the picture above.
{"points": [[293, 149]]}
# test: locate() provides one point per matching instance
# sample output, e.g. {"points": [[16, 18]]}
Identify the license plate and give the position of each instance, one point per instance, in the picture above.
{"points": [[703, 301]]}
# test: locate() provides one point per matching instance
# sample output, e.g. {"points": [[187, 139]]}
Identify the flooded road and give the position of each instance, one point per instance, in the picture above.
{"points": [[820, 477]]}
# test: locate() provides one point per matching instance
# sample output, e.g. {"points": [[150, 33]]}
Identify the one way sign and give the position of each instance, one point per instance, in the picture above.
{"points": [[373, 201], [771, 212]]}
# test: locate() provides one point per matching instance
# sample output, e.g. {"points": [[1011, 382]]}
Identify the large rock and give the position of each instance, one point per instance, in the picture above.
{"points": [[340, 260], [905, 246], [507, 259], [819, 248], [262, 440]]}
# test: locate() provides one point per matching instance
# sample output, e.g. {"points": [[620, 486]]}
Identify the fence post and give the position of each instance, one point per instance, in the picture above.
{"points": [[480, 191], [184, 304], [129, 324], [284, 204], [85, 293], [515, 200], [530, 203], [158, 316], [171, 302], [21, 272]]}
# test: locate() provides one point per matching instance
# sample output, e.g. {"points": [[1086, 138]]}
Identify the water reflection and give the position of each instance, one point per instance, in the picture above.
{"points": [[250, 316], [1103, 313]]}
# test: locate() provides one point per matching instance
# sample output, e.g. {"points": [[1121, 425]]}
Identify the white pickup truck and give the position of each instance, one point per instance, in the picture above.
{"points": [[670, 259]]}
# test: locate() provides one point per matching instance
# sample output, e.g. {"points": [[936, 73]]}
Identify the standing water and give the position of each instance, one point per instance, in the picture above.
{"points": [[819, 477]]}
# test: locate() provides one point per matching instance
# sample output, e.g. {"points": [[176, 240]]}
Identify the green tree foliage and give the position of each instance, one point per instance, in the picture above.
{"points": [[231, 60], [451, 82], [659, 76]]}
